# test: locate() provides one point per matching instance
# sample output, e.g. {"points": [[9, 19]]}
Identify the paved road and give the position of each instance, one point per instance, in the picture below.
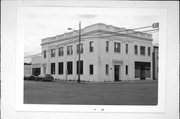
{"points": [[123, 93]]}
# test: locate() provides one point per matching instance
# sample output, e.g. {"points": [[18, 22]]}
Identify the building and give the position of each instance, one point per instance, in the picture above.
{"points": [[155, 61], [108, 53], [36, 64], [27, 69]]}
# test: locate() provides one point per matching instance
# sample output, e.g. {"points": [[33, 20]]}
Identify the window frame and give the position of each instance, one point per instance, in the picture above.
{"points": [[81, 67], [107, 46], [117, 47], [53, 69], [107, 69], [142, 50], [44, 52], [127, 47], [135, 49], [60, 71], [91, 69], [81, 48], [91, 48], [61, 51], [53, 52], [127, 70], [69, 67], [70, 50], [149, 51]]}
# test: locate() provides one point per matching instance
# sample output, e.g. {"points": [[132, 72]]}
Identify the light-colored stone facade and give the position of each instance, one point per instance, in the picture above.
{"points": [[119, 61]]}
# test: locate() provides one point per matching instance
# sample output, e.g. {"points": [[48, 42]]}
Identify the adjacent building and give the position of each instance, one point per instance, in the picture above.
{"points": [[155, 61], [107, 53]]}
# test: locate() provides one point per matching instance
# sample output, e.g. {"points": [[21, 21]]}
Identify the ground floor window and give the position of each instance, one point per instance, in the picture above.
{"points": [[61, 68], [36, 71], [52, 68], [81, 67], [69, 67], [44, 70], [91, 69], [126, 69], [142, 70], [107, 69]]}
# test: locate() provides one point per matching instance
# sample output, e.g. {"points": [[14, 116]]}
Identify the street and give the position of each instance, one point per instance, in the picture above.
{"points": [[111, 93]]}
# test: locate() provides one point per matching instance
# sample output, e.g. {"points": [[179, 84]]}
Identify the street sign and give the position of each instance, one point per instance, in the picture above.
{"points": [[155, 25]]}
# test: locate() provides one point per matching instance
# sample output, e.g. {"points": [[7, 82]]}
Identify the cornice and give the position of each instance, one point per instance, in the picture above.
{"points": [[99, 33]]}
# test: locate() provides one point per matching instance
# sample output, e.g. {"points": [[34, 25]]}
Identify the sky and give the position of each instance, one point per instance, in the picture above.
{"points": [[42, 22]]}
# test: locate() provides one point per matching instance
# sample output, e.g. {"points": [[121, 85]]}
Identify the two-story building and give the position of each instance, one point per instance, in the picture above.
{"points": [[108, 53]]}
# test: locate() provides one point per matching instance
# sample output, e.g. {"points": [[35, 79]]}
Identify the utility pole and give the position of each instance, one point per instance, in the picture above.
{"points": [[79, 64]]}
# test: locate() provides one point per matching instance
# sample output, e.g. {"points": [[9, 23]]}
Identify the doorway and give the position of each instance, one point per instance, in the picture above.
{"points": [[116, 73]]}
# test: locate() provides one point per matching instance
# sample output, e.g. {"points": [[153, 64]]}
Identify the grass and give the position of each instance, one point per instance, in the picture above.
{"points": [[121, 93]]}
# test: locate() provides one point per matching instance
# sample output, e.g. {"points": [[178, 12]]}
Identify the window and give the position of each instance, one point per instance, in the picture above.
{"points": [[61, 53], [107, 46], [44, 68], [142, 50], [149, 51], [91, 46], [137, 70], [52, 52], [52, 68], [81, 48], [90, 69], [126, 69], [107, 69], [81, 67], [44, 53], [148, 71], [70, 67], [117, 47], [135, 49], [126, 48], [69, 50], [60, 67]]}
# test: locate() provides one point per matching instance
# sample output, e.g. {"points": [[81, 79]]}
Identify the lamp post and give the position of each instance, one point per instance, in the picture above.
{"points": [[79, 53]]}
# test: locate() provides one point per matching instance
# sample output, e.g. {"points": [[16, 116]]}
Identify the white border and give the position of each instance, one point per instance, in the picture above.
{"points": [[161, 13], [8, 62]]}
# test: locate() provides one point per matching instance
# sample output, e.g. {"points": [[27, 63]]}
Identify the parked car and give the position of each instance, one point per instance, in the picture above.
{"points": [[38, 78], [32, 77], [26, 77], [47, 77]]}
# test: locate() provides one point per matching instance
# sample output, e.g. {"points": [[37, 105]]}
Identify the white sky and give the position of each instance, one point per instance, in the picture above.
{"points": [[42, 22]]}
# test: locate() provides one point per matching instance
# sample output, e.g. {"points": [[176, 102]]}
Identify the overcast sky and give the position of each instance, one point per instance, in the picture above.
{"points": [[42, 22]]}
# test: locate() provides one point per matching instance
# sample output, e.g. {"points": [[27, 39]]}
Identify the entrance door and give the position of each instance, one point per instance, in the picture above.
{"points": [[142, 73], [116, 72]]}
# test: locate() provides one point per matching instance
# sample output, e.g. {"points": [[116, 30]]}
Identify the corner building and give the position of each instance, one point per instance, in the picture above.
{"points": [[106, 54]]}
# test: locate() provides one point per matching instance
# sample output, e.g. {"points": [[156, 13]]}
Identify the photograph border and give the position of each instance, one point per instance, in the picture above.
{"points": [[12, 107]]}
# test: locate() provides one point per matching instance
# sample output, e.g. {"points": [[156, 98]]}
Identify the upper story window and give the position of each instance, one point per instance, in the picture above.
{"points": [[81, 48], [126, 48], [61, 52], [135, 49], [107, 46], [149, 51], [69, 50], [91, 47], [52, 52], [117, 47], [44, 53], [142, 50]]}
